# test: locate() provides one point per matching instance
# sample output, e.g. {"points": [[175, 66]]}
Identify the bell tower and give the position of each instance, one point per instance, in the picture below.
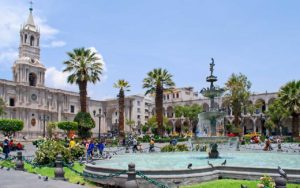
{"points": [[27, 69]]}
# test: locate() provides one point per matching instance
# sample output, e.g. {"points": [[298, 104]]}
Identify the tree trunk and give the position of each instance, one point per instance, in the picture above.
{"points": [[159, 109], [83, 95], [121, 113], [295, 124]]}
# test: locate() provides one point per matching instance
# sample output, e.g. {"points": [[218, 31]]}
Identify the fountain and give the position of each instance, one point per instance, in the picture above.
{"points": [[208, 121]]}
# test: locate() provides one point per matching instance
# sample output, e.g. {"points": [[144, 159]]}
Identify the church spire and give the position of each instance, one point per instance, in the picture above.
{"points": [[30, 23]]}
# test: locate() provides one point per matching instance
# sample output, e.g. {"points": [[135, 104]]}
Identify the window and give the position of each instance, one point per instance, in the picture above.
{"points": [[168, 97], [174, 95], [138, 116], [138, 110], [32, 79], [116, 113], [139, 103], [72, 109], [11, 102], [177, 95], [164, 97], [31, 41]]}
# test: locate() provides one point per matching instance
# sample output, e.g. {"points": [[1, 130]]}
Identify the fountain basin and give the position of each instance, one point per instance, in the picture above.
{"points": [[170, 167]]}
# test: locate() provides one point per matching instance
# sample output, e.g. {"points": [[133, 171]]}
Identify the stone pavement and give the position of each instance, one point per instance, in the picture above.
{"points": [[19, 179]]}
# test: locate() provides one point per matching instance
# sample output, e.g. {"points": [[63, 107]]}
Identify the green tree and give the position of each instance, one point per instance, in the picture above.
{"points": [[238, 92], [10, 126], [84, 66], [51, 127], [123, 86], [156, 82], [276, 113], [189, 112], [152, 123], [2, 107], [130, 123], [85, 124], [289, 97]]}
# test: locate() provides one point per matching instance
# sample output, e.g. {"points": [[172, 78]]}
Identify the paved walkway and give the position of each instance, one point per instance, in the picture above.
{"points": [[19, 179]]}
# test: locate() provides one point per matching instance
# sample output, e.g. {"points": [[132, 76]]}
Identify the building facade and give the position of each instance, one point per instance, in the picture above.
{"points": [[27, 98]]}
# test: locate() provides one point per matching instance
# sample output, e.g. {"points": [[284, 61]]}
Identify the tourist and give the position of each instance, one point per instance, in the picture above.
{"points": [[6, 147], [90, 150], [11, 145], [101, 147], [151, 148], [72, 143], [134, 143]]}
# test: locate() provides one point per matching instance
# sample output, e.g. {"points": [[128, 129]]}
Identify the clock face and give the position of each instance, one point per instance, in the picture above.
{"points": [[34, 97]]}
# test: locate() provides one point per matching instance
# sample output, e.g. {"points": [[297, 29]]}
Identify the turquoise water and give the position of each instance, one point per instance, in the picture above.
{"points": [[180, 160]]}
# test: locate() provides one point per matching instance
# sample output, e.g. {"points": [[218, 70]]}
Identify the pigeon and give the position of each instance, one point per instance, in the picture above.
{"points": [[243, 186], [45, 178], [282, 172], [40, 177], [24, 138], [82, 183], [93, 163], [211, 165], [224, 163], [109, 157], [190, 166], [8, 169], [1, 167], [78, 182]]}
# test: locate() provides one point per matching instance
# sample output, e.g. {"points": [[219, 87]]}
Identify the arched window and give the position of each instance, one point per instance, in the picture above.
{"points": [[25, 39], [31, 41], [32, 79]]}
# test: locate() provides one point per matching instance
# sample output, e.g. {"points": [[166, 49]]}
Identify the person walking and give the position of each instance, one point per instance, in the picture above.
{"points": [[101, 147], [134, 143], [6, 149], [90, 150]]}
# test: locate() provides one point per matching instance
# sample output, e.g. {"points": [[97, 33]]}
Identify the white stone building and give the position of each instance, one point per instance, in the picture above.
{"points": [[27, 98]]}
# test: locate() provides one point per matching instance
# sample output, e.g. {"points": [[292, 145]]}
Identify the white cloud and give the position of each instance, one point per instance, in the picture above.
{"points": [[103, 77], [8, 57], [58, 79], [54, 44]]}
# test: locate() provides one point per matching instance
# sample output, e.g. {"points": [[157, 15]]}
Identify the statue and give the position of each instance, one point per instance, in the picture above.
{"points": [[213, 153], [212, 64]]}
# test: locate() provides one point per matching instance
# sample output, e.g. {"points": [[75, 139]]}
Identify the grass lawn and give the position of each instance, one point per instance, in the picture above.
{"points": [[49, 171], [227, 183]]}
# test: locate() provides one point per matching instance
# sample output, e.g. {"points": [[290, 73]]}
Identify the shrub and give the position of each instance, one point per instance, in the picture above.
{"points": [[68, 125], [85, 124], [10, 126], [172, 148], [145, 128], [77, 151], [49, 149]]}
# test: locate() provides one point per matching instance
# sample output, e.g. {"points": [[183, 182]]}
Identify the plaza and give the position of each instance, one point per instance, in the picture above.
{"points": [[167, 136]]}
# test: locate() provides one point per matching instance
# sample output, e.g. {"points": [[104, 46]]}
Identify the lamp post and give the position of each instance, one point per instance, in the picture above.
{"points": [[44, 118], [99, 116]]}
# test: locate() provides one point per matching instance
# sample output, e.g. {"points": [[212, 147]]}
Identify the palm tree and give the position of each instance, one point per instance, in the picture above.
{"points": [[289, 96], [123, 85], [156, 82], [85, 66]]}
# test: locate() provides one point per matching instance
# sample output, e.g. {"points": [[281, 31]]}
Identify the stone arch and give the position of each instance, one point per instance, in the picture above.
{"points": [[170, 112], [271, 100], [205, 107], [31, 40], [32, 79], [248, 126], [178, 126], [261, 105]]}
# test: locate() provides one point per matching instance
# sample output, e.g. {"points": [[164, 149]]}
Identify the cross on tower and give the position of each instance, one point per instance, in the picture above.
{"points": [[30, 8]]}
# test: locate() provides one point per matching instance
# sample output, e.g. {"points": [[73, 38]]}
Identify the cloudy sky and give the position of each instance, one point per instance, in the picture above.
{"points": [[257, 38]]}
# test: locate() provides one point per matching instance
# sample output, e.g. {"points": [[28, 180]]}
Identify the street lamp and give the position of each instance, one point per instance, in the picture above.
{"points": [[44, 118], [100, 115]]}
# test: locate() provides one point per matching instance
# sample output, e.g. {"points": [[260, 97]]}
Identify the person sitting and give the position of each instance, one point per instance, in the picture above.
{"points": [[11, 145], [19, 146]]}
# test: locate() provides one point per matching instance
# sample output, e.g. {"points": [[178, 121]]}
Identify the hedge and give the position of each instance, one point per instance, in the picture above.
{"points": [[68, 125], [10, 126]]}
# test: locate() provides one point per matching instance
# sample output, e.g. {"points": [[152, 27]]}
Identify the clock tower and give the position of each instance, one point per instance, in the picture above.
{"points": [[27, 69]]}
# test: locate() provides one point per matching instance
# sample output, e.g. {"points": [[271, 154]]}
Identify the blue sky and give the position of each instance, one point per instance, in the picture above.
{"points": [[257, 38]]}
